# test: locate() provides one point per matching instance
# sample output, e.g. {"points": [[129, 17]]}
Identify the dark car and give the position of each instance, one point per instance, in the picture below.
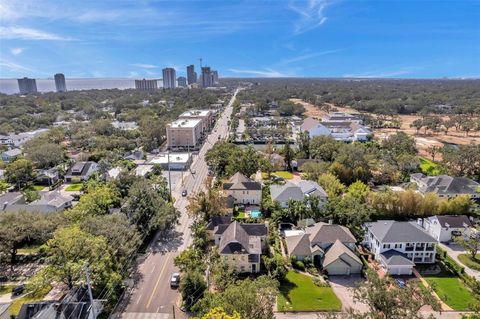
{"points": [[18, 290], [184, 193], [175, 280]]}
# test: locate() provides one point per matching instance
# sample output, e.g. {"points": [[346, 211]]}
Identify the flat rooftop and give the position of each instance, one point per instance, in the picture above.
{"points": [[188, 123], [193, 113], [174, 158]]}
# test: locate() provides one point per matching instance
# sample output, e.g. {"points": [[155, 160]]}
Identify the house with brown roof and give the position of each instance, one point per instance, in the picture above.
{"points": [[332, 246], [243, 190], [241, 245]]}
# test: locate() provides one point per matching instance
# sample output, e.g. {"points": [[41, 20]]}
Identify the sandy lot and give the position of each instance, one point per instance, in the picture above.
{"points": [[423, 140]]}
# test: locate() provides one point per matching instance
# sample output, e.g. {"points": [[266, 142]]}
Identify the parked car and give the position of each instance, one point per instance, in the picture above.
{"points": [[175, 280], [184, 193], [18, 290]]}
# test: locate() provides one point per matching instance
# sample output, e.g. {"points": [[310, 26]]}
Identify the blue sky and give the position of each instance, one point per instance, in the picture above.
{"points": [[321, 38]]}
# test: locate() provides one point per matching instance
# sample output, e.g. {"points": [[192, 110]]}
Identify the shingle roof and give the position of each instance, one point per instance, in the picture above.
{"points": [[337, 251], [241, 182], [283, 193], [326, 233], [311, 188], [309, 123], [395, 258], [218, 220], [390, 231], [445, 184], [453, 221], [298, 245], [234, 240]]}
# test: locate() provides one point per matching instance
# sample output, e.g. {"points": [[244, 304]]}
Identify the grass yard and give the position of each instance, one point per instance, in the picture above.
{"points": [[283, 174], [452, 290], [430, 168], [74, 187], [467, 260], [37, 296], [35, 188], [241, 215], [299, 293]]}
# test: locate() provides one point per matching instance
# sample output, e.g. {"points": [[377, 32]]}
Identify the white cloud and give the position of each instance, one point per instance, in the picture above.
{"points": [[311, 14], [146, 66], [266, 72], [14, 67], [16, 51], [14, 32], [309, 56]]}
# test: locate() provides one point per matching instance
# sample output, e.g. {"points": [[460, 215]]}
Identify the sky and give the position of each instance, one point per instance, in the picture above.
{"points": [[251, 38]]}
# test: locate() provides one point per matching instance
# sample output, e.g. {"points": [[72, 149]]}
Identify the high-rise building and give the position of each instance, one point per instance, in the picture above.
{"points": [[169, 78], [215, 77], [60, 83], [146, 85], [191, 74], [206, 77], [182, 81], [27, 85]]}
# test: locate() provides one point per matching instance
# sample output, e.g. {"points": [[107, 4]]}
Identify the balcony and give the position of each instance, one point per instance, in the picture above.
{"points": [[430, 248], [409, 248]]}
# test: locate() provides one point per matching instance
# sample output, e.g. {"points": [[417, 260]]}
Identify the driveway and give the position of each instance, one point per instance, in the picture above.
{"points": [[343, 287], [453, 250]]}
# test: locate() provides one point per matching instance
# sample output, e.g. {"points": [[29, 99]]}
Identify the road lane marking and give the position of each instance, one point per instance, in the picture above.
{"points": [[158, 281], [140, 297], [153, 269]]}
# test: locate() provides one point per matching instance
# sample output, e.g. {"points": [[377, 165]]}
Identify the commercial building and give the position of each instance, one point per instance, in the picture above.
{"points": [[184, 134], [182, 81], [169, 78], [60, 83], [206, 77], [27, 85], [191, 74], [215, 77], [205, 115], [146, 85], [178, 161]]}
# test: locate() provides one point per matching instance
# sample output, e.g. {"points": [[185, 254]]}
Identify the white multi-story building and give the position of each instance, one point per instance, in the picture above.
{"points": [[184, 133], [443, 227], [169, 78], [205, 115], [398, 246]]}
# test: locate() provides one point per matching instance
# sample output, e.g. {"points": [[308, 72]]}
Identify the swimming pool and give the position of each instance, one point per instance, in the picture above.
{"points": [[255, 213]]}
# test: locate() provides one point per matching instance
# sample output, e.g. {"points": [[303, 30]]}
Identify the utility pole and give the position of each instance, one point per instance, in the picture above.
{"points": [[173, 311], [169, 176], [89, 287]]}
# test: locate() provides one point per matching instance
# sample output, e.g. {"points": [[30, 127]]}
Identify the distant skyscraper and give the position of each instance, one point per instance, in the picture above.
{"points": [[182, 81], [169, 77], [146, 85], [206, 77], [191, 74], [215, 77], [60, 83], [27, 85]]}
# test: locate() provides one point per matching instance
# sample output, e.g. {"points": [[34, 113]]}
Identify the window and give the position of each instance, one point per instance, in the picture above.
{"points": [[398, 245], [386, 246]]}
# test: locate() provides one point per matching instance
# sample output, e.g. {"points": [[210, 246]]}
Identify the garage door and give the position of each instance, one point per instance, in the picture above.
{"points": [[400, 271]]}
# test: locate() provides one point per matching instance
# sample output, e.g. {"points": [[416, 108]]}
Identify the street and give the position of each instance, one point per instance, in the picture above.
{"points": [[151, 297]]}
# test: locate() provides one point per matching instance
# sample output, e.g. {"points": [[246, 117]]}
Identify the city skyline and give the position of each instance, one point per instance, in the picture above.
{"points": [[316, 38]]}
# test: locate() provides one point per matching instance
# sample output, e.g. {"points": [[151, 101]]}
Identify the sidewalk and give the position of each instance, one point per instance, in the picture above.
{"points": [[453, 251]]}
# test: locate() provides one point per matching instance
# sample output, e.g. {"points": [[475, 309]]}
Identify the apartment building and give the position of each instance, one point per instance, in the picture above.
{"points": [[205, 115], [184, 134]]}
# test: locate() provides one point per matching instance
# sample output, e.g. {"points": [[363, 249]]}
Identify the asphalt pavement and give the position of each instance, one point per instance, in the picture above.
{"points": [[151, 297]]}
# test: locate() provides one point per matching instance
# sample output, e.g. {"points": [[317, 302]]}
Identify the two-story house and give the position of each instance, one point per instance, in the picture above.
{"points": [[446, 186], [81, 171], [241, 245], [398, 246], [243, 190], [331, 246], [443, 227], [297, 192]]}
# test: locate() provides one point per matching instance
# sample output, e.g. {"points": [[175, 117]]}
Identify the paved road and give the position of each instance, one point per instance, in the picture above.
{"points": [[453, 250], [152, 297]]}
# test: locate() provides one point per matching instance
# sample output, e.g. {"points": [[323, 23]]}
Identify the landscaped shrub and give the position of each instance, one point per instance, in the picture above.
{"points": [[298, 264], [320, 283], [312, 270]]}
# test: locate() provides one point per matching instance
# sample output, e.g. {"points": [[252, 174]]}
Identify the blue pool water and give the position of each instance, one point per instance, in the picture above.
{"points": [[255, 213]]}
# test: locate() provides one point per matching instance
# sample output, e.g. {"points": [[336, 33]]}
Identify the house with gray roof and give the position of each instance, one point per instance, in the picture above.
{"points": [[329, 245], [243, 189], [443, 227], [399, 246], [49, 202], [446, 186], [297, 192], [11, 155], [241, 245], [81, 171]]}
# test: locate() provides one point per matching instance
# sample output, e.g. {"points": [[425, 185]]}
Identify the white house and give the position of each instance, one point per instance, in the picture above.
{"points": [[444, 226], [398, 246], [314, 128], [243, 190]]}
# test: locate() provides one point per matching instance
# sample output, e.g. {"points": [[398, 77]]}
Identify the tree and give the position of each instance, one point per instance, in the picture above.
{"points": [[3, 186], [190, 259], [45, 155], [205, 204], [433, 151], [417, 124], [324, 148], [252, 299], [288, 155], [330, 183], [70, 249], [399, 143], [146, 208], [303, 141], [192, 287], [19, 173], [385, 300], [471, 243], [219, 313]]}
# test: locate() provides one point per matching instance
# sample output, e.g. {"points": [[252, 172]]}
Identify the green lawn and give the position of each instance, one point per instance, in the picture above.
{"points": [[467, 260], [283, 174], [452, 290], [37, 296], [74, 187], [241, 215], [299, 293], [430, 168], [6, 289], [35, 188], [29, 250]]}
